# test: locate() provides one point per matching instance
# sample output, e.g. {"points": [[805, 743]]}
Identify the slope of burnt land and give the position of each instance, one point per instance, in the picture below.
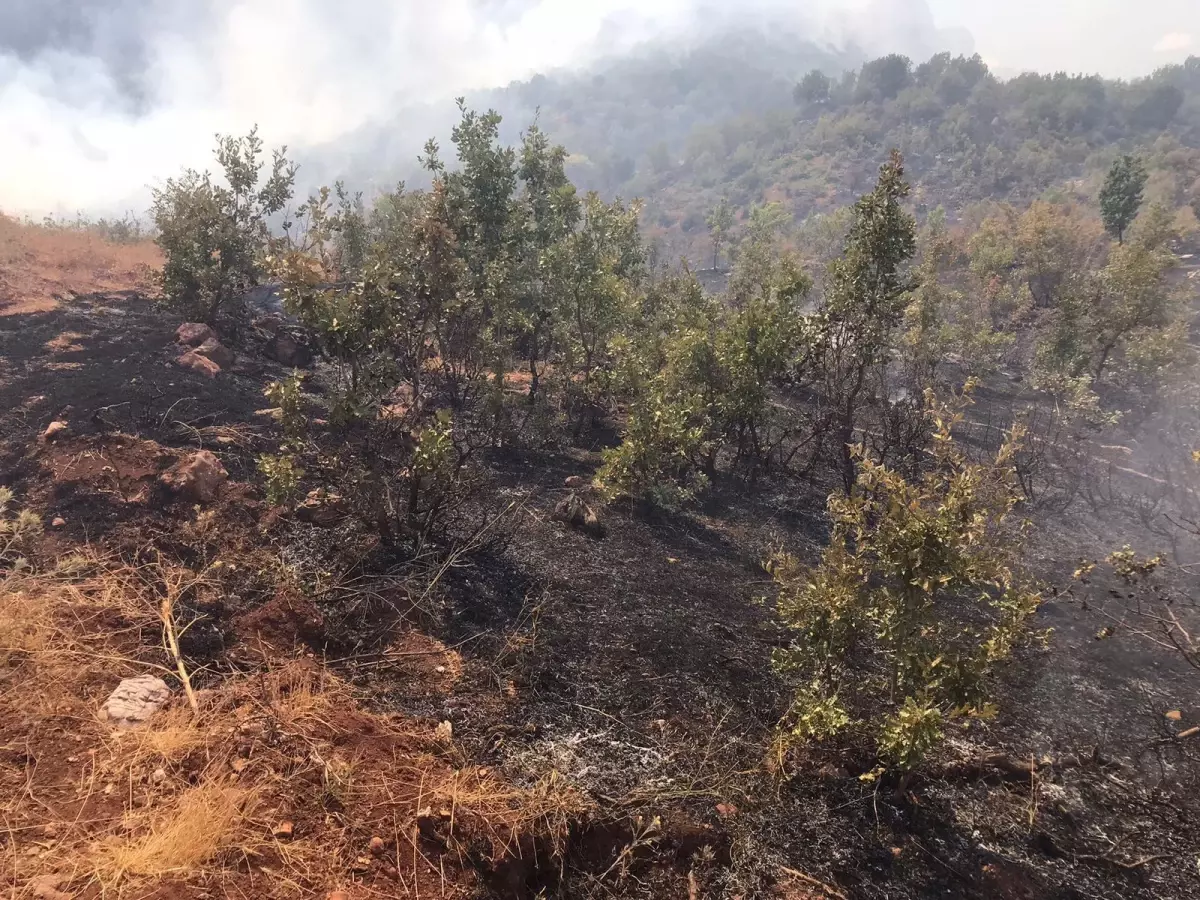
{"points": [[636, 665]]}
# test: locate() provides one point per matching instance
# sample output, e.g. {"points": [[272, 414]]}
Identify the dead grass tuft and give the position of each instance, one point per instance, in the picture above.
{"points": [[180, 838]]}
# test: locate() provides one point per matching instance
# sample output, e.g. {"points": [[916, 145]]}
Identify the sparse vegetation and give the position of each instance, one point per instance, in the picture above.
{"points": [[468, 608], [18, 530]]}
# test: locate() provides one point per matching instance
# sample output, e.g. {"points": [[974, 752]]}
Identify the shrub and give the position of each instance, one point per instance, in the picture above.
{"points": [[282, 475], [916, 599], [214, 236], [282, 470]]}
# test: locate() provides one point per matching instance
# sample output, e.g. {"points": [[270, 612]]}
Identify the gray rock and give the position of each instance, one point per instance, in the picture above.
{"points": [[285, 349], [134, 701]]}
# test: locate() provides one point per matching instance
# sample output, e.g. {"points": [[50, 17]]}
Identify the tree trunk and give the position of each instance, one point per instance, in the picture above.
{"points": [[845, 434]]}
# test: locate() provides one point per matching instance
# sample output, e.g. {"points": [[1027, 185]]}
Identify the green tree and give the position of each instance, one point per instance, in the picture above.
{"points": [[548, 211], [884, 78], [1121, 195], [865, 296], [813, 88], [1131, 305], [720, 223], [595, 270], [701, 380], [214, 237]]}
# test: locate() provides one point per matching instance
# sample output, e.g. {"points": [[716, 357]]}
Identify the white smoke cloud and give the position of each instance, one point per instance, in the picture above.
{"points": [[103, 98]]}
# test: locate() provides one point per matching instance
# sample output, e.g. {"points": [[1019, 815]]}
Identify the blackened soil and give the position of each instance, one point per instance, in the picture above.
{"points": [[637, 665]]}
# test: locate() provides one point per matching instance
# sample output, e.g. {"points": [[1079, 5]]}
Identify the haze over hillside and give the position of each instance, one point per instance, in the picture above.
{"points": [[109, 97]]}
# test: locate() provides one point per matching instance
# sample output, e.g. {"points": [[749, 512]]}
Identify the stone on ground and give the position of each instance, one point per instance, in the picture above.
{"points": [[134, 701], [193, 334], [200, 364], [197, 478], [55, 430], [217, 352], [572, 510], [285, 349]]}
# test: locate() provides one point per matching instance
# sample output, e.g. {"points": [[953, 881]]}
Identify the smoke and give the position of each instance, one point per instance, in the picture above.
{"points": [[103, 98]]}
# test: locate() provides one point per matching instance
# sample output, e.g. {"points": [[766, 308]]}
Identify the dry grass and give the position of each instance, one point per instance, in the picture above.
{"points": [[182, 837], [38, 265], [197, 796]]}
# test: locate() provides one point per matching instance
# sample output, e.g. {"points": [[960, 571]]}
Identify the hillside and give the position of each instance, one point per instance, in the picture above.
{"points": [[966, 135], [617, 117], [457, 542], [40, 265], [682, 128]]}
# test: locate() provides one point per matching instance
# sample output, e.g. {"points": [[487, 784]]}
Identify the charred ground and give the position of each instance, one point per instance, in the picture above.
{"points": [[635, 665]]}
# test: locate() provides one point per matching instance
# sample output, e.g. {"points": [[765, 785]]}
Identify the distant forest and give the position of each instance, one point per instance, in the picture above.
{"points": [[753, 119]]}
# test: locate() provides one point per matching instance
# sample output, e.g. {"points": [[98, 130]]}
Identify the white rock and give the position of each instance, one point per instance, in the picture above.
{"points": [[134, 701]]}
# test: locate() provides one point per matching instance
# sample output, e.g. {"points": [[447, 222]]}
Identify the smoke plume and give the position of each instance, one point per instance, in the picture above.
{"points": [[104, 98]]}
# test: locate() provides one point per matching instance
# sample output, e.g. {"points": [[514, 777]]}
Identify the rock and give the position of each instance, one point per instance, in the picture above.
{"points": [[284, 830], [46, 887], [158, 776], [726, 810], [56, 429], [134, 701], [377, 846], [217, 352], [193, 334], [58, 522], [578, 483], [198, 363], [573, 511], [197, 478], [285, 349], [322, 509]]}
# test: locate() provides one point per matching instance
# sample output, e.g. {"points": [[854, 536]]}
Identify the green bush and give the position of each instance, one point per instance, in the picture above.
{"points": [[215, 237], [917, 598]]}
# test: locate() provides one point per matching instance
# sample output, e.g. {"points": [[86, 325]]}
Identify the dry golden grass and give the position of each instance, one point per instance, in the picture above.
{"points": [[23, 627], [39, 264], [180, 838], [198, 795]]}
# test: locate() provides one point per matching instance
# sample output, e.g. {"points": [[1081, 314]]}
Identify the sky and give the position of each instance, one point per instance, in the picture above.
{"points": [[100, 99], [1116, 38]]}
